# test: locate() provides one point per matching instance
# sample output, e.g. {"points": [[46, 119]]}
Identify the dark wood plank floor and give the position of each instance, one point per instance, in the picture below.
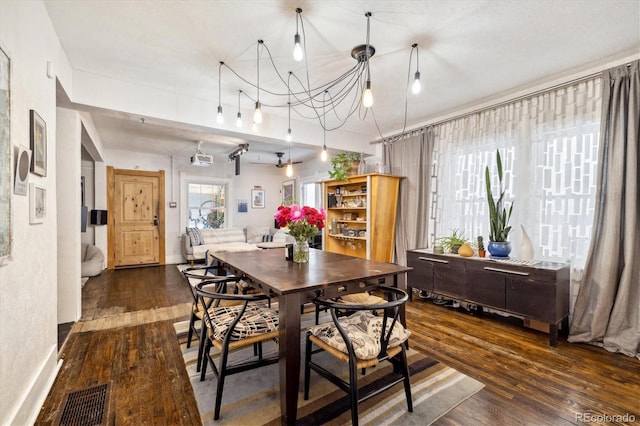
{"points": [[126, 336]]}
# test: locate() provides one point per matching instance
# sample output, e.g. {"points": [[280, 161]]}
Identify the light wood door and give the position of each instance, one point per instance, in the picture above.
{"points": [[136, 234]]}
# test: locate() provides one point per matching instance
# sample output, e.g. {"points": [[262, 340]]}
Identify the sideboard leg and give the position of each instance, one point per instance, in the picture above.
{"points": [[553, 334]]}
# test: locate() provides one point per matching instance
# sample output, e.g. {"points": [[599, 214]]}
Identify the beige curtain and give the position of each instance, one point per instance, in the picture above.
{"points": [[411, 156], [607, 311]]}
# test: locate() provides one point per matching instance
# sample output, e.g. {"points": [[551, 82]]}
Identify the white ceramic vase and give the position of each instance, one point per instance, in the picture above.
{"points": [[526, 248]]}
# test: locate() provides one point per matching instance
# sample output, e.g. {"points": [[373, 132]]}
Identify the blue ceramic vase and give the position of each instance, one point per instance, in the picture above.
{"points": [[499, 249]]}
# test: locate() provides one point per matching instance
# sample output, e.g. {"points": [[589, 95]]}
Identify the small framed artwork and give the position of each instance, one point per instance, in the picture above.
{"points": [[38, 144], [37, 203], [288, 192], [257, 198], [243, 206]]}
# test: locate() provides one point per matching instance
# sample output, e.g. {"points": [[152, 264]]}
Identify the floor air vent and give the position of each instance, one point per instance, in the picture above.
{"points": [[86, 407]]}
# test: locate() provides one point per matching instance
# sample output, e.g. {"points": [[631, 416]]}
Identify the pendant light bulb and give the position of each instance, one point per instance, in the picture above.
{"points": [[367, 96], [220, 118], [254, 127], [288, 138], [298, 53], [324, 156], [257, 114], [289, 171], [415, 88]]}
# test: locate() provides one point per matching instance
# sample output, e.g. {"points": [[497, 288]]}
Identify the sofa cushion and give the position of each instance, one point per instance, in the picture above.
{"points": [[255, 234], [281, 236], [195, 236], [199, 252], [223, 235]]}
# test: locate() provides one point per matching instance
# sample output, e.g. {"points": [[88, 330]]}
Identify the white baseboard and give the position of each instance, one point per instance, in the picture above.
{"points": [[26, 412], [174, 260]]}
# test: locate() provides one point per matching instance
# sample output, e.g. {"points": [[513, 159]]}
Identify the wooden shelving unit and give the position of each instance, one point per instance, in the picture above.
{"points": [[361, 216]]}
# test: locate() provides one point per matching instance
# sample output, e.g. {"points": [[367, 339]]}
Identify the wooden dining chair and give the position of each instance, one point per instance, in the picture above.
{"points": [[213, 275], [233, 327], [369, 336]]}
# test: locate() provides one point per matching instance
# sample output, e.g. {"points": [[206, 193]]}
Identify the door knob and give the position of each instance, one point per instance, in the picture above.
{"points": [[155, 220]]}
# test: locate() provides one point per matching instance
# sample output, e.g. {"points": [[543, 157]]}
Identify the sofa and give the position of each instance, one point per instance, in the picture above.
{"points": [[197, 242], [91, 260]]}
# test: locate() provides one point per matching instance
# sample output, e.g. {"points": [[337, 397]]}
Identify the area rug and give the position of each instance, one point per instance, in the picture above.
{"points": [[252, 398]]}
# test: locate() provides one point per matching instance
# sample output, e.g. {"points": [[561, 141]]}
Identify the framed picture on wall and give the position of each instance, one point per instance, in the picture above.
{"points": [[37, 203], [38, 132], [243, 206], [257, 198], [288, 192]]}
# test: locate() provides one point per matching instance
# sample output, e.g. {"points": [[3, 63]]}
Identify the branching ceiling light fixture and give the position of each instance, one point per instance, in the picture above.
{"points": [[220, 118], [324, 155], [289, 137], [257, 114], [298, 51], [415, 87], [289, 170], [239, 116], [342, 97]]}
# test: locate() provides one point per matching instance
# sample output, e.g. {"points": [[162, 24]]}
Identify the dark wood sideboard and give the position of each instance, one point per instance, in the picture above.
{"points": [[539, 291]]}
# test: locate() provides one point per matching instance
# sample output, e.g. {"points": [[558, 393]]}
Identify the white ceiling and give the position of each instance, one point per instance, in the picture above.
{"points": [[469, 51]]}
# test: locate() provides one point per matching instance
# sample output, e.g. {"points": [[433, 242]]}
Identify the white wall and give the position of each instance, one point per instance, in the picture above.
{"points": [[68, 138], [28, 282]]}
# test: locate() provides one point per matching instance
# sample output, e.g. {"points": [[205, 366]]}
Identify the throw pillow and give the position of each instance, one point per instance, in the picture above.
{"points": [[267, 238], [195, 236]]}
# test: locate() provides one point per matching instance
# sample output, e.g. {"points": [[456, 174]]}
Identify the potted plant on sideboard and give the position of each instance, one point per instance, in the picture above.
{"points": [[452, 242], [481, 251], [498, 216]]}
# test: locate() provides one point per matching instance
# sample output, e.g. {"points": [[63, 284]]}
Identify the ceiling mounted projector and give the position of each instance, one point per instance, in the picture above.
{"points": [[200, 158]]}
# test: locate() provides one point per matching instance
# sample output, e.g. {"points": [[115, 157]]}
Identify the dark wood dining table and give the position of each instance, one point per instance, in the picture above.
{"points": [[326, 274]]}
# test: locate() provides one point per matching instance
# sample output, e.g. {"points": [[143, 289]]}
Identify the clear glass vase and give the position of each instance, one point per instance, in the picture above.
{"points": [[301, 251]]}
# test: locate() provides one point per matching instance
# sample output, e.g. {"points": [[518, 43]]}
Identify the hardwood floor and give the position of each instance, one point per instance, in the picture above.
{"points": [[126, 336]]}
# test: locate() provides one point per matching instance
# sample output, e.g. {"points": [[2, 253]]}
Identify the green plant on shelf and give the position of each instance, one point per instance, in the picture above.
{"points": [[342, 164], [452, 242]]}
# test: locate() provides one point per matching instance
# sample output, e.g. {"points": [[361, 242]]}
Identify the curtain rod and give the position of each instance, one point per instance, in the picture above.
{"points": [[400, 136]]}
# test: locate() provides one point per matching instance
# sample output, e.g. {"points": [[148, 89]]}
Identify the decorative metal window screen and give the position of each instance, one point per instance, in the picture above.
{"points": [[549, 148]]}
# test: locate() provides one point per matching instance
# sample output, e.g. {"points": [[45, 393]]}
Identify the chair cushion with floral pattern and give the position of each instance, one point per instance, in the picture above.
{"points": [[363, 329], [256, 320]]}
